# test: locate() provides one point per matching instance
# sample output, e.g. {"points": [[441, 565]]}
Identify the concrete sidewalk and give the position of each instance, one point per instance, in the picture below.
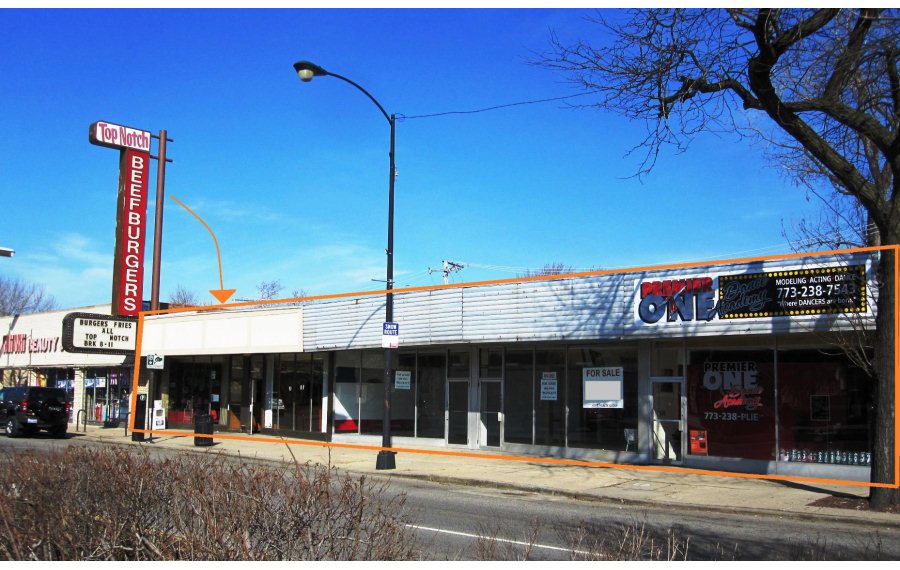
{"points": [[616, 485]]}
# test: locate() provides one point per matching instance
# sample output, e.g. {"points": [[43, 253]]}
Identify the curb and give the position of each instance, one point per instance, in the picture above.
{"points": [[839, 516], [654, 505]]}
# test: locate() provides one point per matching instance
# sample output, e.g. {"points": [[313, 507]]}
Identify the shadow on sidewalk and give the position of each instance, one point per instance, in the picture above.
{"points": [[813, 489]]}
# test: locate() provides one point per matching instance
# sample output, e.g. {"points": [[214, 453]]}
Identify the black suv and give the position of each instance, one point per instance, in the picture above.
{"points": [[27, 409]]}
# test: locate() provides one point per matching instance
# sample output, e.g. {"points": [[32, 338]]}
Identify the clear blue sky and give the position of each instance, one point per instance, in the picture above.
{"points": [[292, 177]]}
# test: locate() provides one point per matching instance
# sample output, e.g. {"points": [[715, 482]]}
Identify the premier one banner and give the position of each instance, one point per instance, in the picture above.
{"points": [[784, 293]]}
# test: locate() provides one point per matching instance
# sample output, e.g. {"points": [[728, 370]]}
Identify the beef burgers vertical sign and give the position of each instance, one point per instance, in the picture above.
{"points": [[131, 214]]}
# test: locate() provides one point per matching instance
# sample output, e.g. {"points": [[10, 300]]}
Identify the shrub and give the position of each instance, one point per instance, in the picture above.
{"points": [[117, 504]]}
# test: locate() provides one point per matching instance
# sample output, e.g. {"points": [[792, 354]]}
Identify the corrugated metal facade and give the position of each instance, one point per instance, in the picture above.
{"points": [[599, 307]]}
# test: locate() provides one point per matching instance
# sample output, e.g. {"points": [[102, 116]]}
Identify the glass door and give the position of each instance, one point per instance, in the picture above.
{"points": [[458, 412], [491, 410], [668, 423]]}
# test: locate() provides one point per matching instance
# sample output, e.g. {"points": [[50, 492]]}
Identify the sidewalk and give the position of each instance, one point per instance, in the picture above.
{"points": [[611, 485]]}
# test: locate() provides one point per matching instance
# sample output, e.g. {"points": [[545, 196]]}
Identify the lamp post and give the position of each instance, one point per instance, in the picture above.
{"points": [[307, 70]]}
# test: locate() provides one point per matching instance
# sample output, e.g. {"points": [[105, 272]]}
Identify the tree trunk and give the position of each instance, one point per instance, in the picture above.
{"points": [[884, 454]]}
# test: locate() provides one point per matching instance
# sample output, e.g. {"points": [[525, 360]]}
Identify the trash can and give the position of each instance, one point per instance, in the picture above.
{"points": [[140, 412], [203, 424]]}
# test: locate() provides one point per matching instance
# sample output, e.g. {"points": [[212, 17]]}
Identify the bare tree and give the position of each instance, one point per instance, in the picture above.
{"points": [[183, 297], [555, 268], [269, 290], [18, 297], [821, 89]]}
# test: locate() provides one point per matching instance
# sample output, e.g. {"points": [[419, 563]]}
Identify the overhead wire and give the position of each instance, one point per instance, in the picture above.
{"points": [[520, 270], [495, 107]]}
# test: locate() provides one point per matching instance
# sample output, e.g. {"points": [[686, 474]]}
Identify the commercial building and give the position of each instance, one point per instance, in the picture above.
{"points": [[32, 353], [735, 366]]}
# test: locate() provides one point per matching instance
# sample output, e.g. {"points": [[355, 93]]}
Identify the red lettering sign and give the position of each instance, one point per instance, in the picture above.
{"points": [[117, 136], [131, 230], [21, 343], [672, 287]]}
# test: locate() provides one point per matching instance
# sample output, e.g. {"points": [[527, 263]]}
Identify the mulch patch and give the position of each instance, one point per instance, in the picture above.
{"points": [[854, 503]]}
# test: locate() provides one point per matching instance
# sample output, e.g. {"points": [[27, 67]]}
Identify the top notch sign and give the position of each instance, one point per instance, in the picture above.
{"points": [[116, 136]]}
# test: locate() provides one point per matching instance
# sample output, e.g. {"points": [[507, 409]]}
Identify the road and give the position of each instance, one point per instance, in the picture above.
{"points": [[451, 522]]}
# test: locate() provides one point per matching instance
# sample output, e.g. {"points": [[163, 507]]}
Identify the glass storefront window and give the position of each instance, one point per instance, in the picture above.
{"points": [[317, 391], [602, 428], [403, 396], [372, 392], [235, 392], [297, 392], [106, 393], [430, 395], [549, 397], [823, 409], [458, 364], [288, 394], [346, 392], [666, 361], [490, 363], [194, 384], [518, 404], [731, 398]]}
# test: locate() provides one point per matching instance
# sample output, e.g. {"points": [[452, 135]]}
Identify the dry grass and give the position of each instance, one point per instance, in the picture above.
{"points": [[109, 504]]}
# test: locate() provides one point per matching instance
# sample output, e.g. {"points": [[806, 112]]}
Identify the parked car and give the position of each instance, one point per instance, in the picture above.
{"points": [[26, 409]]}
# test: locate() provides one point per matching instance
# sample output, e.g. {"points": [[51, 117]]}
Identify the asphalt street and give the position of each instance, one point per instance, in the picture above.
{"points": [[469, 522]]}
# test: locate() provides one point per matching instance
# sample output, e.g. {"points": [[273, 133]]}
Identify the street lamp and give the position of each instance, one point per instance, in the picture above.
{"points": [[7, 252], [306, 70]]}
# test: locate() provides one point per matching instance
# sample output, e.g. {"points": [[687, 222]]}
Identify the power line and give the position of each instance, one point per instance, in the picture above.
{"points": [[448, 268], [494, 108]]}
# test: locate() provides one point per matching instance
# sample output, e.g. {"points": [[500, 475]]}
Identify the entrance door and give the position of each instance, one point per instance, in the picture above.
{"points": [[458, 412], [491, 413], [668, 424]]}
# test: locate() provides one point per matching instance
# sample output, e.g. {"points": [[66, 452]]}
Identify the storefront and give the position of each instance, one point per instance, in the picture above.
{"points": [[32, 353], [726, 367], [735, 367]]}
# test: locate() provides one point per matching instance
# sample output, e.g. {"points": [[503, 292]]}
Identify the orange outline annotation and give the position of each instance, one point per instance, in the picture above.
{"points": [[574, 462]]}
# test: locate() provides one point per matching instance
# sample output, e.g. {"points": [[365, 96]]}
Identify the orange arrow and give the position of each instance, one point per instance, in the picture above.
{"points": [[222, 294]]}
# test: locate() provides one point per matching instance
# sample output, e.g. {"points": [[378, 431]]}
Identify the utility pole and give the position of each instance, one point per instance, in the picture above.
{"points": [[449, 267]]}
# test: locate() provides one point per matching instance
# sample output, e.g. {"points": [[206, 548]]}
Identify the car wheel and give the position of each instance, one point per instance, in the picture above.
{"points": [[58, 432], [13, 429]]}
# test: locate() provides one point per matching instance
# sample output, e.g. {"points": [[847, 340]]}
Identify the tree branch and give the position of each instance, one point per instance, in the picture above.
{"points": [[759, 69], [845, 62], [803, 29]]}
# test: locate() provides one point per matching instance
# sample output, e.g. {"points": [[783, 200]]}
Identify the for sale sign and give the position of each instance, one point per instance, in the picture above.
{"points": [[603, 387]]}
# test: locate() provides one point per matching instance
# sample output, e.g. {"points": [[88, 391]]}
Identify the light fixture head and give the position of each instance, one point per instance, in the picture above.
{"points": [[307, 70]]}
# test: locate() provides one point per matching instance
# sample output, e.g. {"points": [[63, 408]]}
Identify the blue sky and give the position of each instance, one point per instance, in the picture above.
{"points": [[292, 177]]}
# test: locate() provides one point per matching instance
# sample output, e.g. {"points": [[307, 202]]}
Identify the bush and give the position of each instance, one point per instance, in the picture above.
{"points": [[116, 504]]}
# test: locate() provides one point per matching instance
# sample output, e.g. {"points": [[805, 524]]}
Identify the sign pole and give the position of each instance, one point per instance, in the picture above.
{"points": [[158, 220], [157, 247]]}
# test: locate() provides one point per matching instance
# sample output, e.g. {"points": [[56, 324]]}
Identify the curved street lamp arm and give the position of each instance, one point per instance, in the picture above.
{"points": [[369, 95]]}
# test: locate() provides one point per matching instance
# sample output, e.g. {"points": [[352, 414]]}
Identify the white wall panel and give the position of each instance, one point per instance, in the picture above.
{"points": [[225, 332], [600, 308], [48, 326], [590, 308]]}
